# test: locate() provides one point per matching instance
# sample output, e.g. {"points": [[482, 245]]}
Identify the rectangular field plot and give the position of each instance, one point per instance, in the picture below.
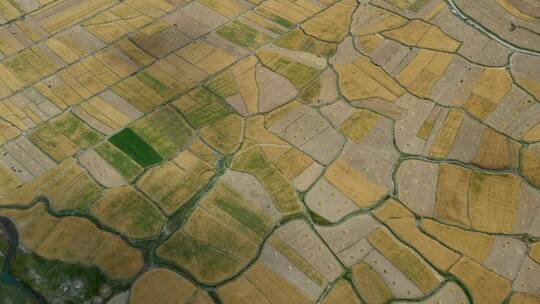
{"points": [[120, 161], [134, 146]]}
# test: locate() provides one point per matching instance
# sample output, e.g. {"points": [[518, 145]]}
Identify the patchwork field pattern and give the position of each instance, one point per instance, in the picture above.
{"points": [[270, 151]]}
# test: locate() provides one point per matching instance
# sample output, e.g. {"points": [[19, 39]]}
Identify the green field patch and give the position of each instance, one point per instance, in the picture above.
{"points": [[310, 94], [165, 130], [319, 48], [207, 263], [128, 212], [53, 142], [133, 145], [78, 193], [170, 187], [223, 85], [155, 84], [277, 19], [209, 248], [359, 125], [254, 162], [22, 69], [64, 136], [78, 131], [298, 73], [296, 40], [297, 260], [238, 208], [243, 35], [225, 135], [292, 40], [126, 166], [202, 108]]}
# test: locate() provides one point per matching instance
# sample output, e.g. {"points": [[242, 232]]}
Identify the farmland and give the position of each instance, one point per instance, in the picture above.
{"points": [[270, 151]]}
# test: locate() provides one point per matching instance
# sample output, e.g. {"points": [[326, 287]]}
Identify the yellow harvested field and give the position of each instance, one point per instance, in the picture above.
{"points": [[361, 79], [440, 256], [342, 292], [422, 34], [535, 252], [392, 209], [167, 287], [485, 286], [408, 262], [422, 73], [488, 90], [331, 24], [260, 284], [451, 205], [447, 135], [487, 191], [353, 184], [370, 284], [473, 244]]}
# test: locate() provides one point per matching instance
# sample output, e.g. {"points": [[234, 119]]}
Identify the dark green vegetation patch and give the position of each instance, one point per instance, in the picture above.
{"points": [[134, 146]]}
